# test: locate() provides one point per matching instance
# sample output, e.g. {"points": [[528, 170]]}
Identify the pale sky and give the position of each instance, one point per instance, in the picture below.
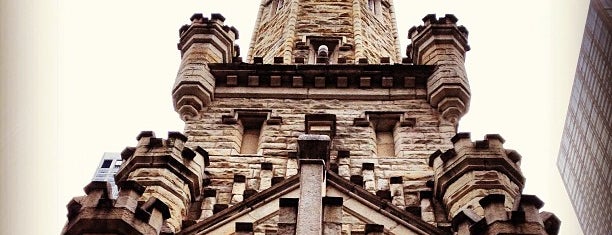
{"points": [[80, 78]]}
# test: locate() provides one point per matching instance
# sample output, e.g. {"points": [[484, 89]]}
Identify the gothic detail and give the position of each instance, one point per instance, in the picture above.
{"points": [[442, 43], [204, 41], [325, 130]]}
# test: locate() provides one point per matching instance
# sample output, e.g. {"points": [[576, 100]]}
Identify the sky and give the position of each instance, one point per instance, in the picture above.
{"points": [[80, 78]]}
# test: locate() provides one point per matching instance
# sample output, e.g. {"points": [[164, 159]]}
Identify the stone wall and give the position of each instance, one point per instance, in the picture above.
{"points": [[325, 19], [278, 144], [362, 33], [270, 35], [377, 42]]}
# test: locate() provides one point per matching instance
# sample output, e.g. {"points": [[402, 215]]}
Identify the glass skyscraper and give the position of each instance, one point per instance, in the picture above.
{"points": [[108, 167], [585, 156]]}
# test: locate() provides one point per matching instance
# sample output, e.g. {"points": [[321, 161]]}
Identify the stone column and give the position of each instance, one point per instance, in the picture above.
{"points": [[312, 150], [310, 209]]}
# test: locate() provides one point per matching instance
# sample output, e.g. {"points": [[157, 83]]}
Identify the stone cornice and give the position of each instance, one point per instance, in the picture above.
{"points": [[318, 81]]}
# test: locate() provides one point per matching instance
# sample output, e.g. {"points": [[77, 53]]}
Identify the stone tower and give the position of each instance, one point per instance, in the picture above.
{"points": [[352, 30], [326, 129]]}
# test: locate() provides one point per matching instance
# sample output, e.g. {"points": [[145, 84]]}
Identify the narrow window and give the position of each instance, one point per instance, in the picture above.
{"points": [[250, 133], [375, 7], [384, 143], [250, 140], [321, 124], [384, 124], [323, 50], [275, 5]]}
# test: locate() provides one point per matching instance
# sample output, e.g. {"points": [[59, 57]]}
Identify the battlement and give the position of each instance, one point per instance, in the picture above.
{"points": [[474, 169], [523, 218], [204, 25], [431, 21], [169, 153], [169, 171], [98, 212]]}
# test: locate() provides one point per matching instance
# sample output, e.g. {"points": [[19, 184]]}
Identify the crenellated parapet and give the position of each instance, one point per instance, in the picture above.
{"points": [[524, 217], [473, 170], [168, 170], [98, 213], [440, 42], [202, 42]]}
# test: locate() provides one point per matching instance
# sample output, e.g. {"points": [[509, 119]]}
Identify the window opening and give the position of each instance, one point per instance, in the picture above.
{"points": [[106, 163], [384, 124], [384, 143], [321, 124], [376, 7], [323, 50], [275, 5], [251, 124]]}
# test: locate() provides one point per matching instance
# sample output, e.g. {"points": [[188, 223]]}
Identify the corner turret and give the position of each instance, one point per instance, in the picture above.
{"points": [[202, 42], [480, 184], [98, 213], [169, 171], [473, 170], [442, 43]]}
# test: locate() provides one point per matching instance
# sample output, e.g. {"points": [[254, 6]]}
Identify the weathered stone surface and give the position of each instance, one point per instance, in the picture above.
{"points": [[250, 122], [361, 30]]}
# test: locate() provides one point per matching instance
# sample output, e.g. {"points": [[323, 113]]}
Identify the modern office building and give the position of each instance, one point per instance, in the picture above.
{"points": [[108, 167], [325, 129], [585, 156]]}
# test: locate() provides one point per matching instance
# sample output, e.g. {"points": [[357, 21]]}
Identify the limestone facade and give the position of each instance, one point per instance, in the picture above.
{"points": [[326, 130], [354, 29]]}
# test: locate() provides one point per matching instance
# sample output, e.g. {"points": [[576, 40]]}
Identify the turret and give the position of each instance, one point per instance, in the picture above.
{"points": [[473, 170], [480, 185], [524, 218], [202, 42], [97, 213], [170, 172], [442, 43]]}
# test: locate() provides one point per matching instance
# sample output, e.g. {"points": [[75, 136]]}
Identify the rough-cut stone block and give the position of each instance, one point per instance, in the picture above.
{"points": [[342, 82], [231, 80], [319, 82], [365, 82], [275, 81], [298, 81], [253, 80]]}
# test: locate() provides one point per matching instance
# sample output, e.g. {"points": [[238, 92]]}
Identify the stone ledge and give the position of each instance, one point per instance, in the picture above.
{"points": [[322, 76]]}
